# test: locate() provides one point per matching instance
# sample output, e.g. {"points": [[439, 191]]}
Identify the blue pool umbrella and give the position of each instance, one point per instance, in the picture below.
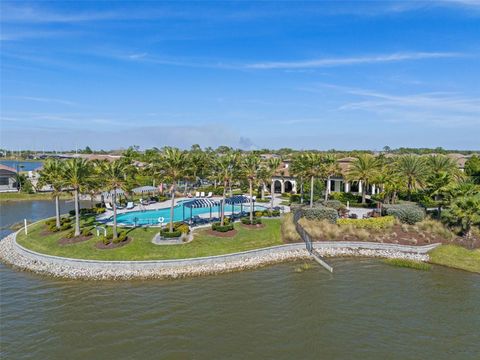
{"points": [[200, 203], [237, 199]]}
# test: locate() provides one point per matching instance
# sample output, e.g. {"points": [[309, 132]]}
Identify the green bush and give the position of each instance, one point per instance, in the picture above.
{"points": [[377, 223], [66, 226], [246, 221], [69, 235], [334, 204], [217, 227], [121, 236], [320, 213], [295, 198], [105, 240], [183, 228], [167, 234], [344, 197], [50, 222], [86, 232], [406, 213]]}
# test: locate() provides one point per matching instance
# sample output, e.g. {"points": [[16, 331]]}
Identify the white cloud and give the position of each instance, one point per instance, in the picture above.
{"points": [[355, 60]]}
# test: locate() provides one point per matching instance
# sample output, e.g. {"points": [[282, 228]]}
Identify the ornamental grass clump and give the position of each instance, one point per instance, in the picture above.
{"points": [[406, 213], [412, 264], [377, 223], [289, 232]]}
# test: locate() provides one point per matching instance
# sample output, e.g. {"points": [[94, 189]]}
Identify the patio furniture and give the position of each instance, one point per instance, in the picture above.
{"points": [[202, 194], [210, 194], [130, 205]]}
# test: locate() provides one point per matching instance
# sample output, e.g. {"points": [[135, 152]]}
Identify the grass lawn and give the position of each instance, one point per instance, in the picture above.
{"points": [[19, 196], [456, 257], [141, 247]]}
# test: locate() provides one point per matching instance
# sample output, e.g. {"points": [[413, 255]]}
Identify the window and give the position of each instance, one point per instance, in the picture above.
{"points": [[4, 180]]}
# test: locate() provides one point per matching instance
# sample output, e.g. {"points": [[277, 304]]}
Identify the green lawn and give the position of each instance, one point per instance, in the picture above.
{"points": [[19, 196], [141, 247], [456, 257]]}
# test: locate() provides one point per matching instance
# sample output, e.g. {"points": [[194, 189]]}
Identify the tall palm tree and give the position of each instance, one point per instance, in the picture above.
{"points": [[314, 168], [364, 168], [413, 169], [113, 176], [297, 168], [76, 172], [51, 174], [173, 163], [331, 168], [250, 167], [272, 166], [225, 168]]}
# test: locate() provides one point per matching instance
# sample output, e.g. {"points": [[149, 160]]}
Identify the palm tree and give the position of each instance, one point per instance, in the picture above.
{"points": [[76, 172], [272, 166], [225, 169], [364, 168], [173, 163], [113, 176], [250, 168], [413, 169], [51, 174], [331, 168], [465, 211], [297, 168], [314, 167]]}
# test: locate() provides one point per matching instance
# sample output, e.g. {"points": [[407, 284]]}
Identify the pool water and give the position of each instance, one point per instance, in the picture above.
{"points": [[180, 213]]}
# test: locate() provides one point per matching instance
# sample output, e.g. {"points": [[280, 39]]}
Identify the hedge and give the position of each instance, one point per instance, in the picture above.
{"points": [[370, 223], [256, 221], [320, 212], [406, 213], [334, 204], [217, 227]]}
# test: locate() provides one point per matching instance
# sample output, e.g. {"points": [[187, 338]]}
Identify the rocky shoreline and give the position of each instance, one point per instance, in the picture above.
{"points": [[17, 257]]}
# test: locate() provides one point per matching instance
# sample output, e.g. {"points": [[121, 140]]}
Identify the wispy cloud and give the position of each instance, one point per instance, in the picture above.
{"points": [[438, 108], [355, 60], [44, 100]]}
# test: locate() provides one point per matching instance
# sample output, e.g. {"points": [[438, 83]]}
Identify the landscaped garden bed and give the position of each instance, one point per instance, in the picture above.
{"points": [[141, 248]]}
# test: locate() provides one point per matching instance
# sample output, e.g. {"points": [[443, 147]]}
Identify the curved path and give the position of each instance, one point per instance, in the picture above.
{"points": [[13, 253]]}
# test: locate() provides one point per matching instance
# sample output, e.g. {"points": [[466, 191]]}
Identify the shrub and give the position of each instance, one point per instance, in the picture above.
{"points": [[86, 232], [217, 227], [370, 223], [105, 240], [246, 221], [295, 198], [412, 264], [334, 204], [69, 235], [100, 210], [258, 213], [53, 228], [50, 222], [121, 236], [65, 220], [344, 197], [65, 226], [167, 234], [320, 213], [406, 213], [183, 228]]}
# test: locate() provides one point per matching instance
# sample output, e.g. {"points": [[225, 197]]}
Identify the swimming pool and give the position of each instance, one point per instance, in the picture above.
{"points": [[180, 213]]}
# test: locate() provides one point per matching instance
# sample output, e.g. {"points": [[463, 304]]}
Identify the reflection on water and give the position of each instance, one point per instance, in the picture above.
{"points": [[364, 310]]}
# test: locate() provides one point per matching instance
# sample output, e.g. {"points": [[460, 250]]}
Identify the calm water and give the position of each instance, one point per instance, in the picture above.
{"points": [[22, 165], [365, 310]]}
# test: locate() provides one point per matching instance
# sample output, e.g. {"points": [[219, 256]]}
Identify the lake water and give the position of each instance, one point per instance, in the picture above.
{"points": [[364, 310], [22, 165]]}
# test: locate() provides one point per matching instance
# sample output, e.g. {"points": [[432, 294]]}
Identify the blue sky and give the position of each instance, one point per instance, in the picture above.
{"points": [[305, 75]]}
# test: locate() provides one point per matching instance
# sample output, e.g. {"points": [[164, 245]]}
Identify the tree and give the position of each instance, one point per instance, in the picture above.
{"points": [[331, 168], [413, 169], [113, 176], [51, 174], [364, 168], [173, 164], [297, 168], [465, 211], [225, 167], [313, 167], [250, 168], [472, 168], [272, 166], [76, 172]]}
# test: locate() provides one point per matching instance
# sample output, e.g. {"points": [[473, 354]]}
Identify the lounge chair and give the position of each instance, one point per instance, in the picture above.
{"points": [[108, 206], [210, 194], [118, 206], [197, 194], [130, 205], [202, 194]]}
